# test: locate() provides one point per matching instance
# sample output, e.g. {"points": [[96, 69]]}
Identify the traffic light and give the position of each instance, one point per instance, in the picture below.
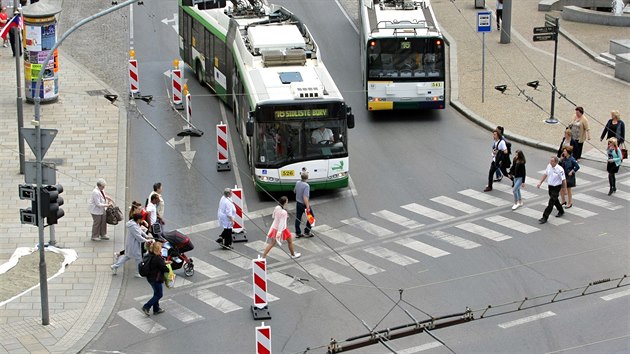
{"points": [[51, 202], [29, 215]]}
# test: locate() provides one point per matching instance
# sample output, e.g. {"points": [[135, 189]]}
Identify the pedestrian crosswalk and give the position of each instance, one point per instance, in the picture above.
{"points": [[407, 236]]}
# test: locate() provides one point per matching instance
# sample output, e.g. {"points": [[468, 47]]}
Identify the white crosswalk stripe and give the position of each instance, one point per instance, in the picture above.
{"points": [[484, 197], [337, 235], [618, 194], [527, 319], [324, 273], [232, 257], [398, 219], [593, 172], [422, 247], [456, 204], [596, 201], [536, 214], [362, 266], [616, 295], [180, 279], [427, 212], [390, 255], [483, 231], [420, 348], [367, 227], [508, 189], [289, 282], [180, 312], [275, 253], [453, 240], [574, 210], [512, 224], [306, 243], [218, 302], [625, 182], [139, 320], [207, 269], [247, 289]]}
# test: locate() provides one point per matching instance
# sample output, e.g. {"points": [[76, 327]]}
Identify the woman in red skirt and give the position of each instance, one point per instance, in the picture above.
{"points": [[278, 231]]}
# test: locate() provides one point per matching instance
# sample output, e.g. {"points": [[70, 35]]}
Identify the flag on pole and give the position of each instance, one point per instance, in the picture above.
{"points": [[16, 21]]}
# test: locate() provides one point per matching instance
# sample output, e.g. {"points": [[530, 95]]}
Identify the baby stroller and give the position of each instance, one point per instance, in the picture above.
{"points": [[174, 250]]}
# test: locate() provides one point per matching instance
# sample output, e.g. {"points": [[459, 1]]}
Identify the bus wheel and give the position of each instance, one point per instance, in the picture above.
{"points": [[199, 72]]}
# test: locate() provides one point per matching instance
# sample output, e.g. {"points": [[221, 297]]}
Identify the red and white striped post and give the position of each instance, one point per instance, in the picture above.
{"points": [[188, 105], [259, 277], [176, 85], [223, 163], [238, 229], [263, 339], [134, 86]]}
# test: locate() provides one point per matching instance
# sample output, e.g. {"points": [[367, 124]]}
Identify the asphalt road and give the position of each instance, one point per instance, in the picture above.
{"points": [[398, 161]]}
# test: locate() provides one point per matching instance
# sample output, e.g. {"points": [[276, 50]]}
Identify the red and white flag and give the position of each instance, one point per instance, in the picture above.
{"points": [[16, 21]]}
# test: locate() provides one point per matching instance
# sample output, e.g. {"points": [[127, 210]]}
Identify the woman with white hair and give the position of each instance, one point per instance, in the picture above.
{"points": [[99, 201]]}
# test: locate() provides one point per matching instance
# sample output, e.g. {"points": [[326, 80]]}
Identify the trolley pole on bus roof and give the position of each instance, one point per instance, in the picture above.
{"points": [[38, 152]]}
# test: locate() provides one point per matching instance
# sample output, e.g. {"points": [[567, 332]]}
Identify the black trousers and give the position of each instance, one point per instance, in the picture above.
{"points": [[14, 32], [554, 193], [226, 235]]}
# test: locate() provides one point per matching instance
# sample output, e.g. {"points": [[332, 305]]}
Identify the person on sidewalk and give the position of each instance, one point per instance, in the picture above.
{"points": [[278, 231], [499, 14], [614, 161], [556, 180], [580, 131], [302, 192], [615, 128], [226, 214], [99, 201], [570, 166], [133, 244], [517, 174], [499, 152], [4, 18], [157, 268]]}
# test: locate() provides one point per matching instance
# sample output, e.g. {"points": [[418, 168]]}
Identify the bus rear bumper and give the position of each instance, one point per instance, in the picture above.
{"points": [[315, 185], [390, 105]]}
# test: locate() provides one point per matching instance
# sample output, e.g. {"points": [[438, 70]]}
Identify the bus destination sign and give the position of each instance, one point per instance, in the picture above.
{"points": [[301, 113]]}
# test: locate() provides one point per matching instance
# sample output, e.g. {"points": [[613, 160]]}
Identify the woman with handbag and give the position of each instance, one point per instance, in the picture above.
{"points": [[580, 131], [615, 128], [570, 166], [98, 203], [614, 161]]}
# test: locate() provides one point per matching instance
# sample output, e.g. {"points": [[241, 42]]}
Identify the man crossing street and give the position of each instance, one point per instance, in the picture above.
{"points": [[556, 180]]}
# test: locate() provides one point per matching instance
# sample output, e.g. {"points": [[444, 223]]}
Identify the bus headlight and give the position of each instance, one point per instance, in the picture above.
{"points": [[267, 179], [338, 175]]}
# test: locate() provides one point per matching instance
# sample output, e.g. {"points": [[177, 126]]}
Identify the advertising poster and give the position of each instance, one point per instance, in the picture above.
{"points": [[48, 37], [33, 38]]}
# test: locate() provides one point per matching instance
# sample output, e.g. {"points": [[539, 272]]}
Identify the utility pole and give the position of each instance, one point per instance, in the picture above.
{"points": [[18, 79], [38, 152]]}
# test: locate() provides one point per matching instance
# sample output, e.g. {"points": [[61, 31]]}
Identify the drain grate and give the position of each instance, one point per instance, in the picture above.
{"points": [[98, 92]]}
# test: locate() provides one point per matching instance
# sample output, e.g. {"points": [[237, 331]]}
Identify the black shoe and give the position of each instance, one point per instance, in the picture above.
{"points": [[146, 312], [227, 247], [614, 189], [498, 179], [220, 240], [610, 191], [560, 213], [299, 235], [542, 220]]}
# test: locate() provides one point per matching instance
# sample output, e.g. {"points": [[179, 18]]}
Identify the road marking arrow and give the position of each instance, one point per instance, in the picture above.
{"points": [[174, 19], [187, 154]]}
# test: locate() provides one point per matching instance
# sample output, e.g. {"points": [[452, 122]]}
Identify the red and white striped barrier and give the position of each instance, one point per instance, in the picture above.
{"points": [[223, 163], [176, 85], [237, 199], [188, 107], [134, 85], [263, 339], [259, 275]]}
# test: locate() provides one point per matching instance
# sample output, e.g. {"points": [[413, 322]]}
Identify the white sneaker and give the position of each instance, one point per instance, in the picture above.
{"points": [[137, 275], [520, 203], [296, 255], [515, 206], [114, 269]]}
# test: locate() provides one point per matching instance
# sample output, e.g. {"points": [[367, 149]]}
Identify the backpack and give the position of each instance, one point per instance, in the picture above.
{"points": [[145, 266]]}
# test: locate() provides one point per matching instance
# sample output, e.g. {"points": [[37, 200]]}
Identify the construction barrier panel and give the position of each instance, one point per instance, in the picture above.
{"points": [[176, 80], [223, 163], [134, 86], [263, 339], [259, 277], [237, 199]]}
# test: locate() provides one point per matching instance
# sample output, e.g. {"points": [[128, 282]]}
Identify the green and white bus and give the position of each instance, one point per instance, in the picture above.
{"points": [[402, 55], [263, 62]]}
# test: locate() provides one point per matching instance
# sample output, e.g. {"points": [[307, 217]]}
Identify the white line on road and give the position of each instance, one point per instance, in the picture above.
{"points": [[484, 197], [207, 269], [512, 224], [139, 320], [289, 282], [180, 312], [483, 231], [390, 255], [524, 320], [337, 235], [596, 201], [422, 247], [616, 295], [361, 266], [453, 240], [456, 204], [420, 348], [218, 302], [247, 289], [325, 274], [535, 214], [427, 212], [367, 227], [398, 219]]}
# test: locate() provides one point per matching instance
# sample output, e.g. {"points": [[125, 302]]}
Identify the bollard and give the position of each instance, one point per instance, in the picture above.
{"points": [[223, 163], [176, 85], [189, 130], [238, 230], [260, 309], [263, 339], [134, 86]]}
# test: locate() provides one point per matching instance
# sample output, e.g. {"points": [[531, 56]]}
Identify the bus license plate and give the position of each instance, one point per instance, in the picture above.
{"points": [[287, 173]]}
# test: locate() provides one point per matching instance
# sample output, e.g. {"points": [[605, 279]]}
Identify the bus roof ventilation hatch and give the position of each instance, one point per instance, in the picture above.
{"points": [[305, 91]]}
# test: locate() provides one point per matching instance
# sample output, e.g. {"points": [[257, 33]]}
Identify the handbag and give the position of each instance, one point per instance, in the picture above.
{"points": [[156, 229], [113, 215], [624, 152]]}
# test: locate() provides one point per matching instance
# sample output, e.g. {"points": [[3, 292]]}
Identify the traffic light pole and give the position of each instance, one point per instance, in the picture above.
{"points": [[43, 282]]}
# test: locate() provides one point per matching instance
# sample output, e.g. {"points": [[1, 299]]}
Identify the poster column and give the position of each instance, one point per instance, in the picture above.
{"points": [[39, 37]]}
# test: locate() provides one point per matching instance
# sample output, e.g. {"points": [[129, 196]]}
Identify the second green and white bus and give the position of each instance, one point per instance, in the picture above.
{"points": [[263, 62]]}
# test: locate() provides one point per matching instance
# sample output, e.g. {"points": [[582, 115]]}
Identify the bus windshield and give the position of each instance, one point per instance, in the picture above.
{"points": [[286, 140], [414, 58]]}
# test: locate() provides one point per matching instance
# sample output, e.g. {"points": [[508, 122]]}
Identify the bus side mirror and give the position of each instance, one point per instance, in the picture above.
{"points": [[249, 128], [350, 118]]}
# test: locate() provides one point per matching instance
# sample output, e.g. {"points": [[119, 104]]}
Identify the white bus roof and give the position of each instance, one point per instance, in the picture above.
{"points": [[275, 37], [388, 18]]}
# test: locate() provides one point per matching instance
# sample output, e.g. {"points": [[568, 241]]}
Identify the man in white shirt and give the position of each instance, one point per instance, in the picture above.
{"points": [[226, 214], [151, 209], [157, 189], [322, 135], [556, 180]]}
